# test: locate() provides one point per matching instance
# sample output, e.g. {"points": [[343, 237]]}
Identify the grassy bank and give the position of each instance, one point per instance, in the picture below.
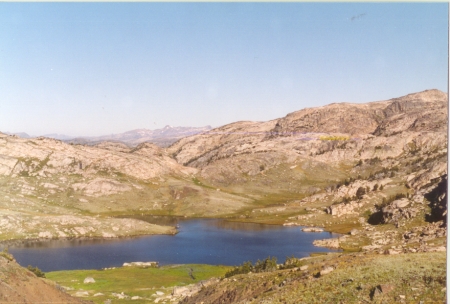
{"points": [[133, 281]]}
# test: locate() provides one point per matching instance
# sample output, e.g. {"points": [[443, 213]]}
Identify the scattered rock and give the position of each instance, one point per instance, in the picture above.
{"points": [[343, 209], [326, 270], [385, 288], [82, 294], [141, 264], [330, 243], [312, 229], [120, 295], [89, 280], [392, 251]]}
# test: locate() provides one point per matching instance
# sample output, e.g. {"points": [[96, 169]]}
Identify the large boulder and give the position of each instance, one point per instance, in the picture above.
{"points": [[89, 280], [398, 210]]}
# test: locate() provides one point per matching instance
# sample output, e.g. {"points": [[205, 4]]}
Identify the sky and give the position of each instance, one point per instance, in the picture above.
{"points": [[90, 69]]}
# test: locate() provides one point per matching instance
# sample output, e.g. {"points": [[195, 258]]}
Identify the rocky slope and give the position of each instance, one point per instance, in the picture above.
{"points": [[19, 285], [51, 189], [337, 278], [330, 134]]}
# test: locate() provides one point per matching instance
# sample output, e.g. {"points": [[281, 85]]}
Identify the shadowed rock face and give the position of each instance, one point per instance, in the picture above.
{"points": [[438, 201]]}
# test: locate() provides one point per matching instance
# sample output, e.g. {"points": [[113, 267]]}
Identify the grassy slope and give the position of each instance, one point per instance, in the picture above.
{"points": [[411, 278]]}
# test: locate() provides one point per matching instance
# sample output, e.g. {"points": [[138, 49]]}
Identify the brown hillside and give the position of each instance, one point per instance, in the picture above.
{"points": [[19, 285]]}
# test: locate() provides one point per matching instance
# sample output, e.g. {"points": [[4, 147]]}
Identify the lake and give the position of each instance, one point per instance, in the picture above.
{"points": [[199, 241]]}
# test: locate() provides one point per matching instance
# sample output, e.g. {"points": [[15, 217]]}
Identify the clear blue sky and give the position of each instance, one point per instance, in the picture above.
{"points": [[102, 68]]}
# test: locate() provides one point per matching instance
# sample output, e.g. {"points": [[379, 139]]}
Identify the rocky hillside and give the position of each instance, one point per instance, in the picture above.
{"points": [[337, 278], [330, 134], [19, 285], [52, 189]]}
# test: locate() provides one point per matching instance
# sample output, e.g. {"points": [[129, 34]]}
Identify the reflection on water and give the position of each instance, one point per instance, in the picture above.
{"points": [[222, 224], [228, 225], [158, 219], [63, 243], [199, 241]]}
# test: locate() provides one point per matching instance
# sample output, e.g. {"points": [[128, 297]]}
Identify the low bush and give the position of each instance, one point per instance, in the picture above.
{"points": [[36, 271], [269, 264], [6, 254]]}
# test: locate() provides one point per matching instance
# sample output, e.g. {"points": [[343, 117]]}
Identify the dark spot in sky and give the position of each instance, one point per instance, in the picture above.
{"points": [[357, 17]]}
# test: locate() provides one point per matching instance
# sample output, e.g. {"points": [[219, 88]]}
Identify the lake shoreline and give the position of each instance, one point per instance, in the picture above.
{"points": [[21, 241], [202, 241]]}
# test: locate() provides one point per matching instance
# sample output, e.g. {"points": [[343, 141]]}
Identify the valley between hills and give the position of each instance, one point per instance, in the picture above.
{"points": [[374, 172]]}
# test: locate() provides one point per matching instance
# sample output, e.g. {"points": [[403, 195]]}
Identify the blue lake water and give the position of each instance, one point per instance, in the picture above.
{"points": [[200, 241]]}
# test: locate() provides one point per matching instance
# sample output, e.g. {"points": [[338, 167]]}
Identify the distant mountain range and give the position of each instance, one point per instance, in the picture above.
{"points": [[20, 134], [162, 137]]}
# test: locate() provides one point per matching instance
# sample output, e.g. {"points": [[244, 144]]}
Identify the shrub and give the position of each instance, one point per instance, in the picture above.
{"points": [[291, 262], [6, 254], [36, 271], [269, 264], [333, 138], [360, 192]]}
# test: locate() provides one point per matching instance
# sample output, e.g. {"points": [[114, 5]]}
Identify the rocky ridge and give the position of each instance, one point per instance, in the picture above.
{"points": [[339, 166]]}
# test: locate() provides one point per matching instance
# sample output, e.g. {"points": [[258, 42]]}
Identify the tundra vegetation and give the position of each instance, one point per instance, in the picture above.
{"points": [[375, 172]]}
